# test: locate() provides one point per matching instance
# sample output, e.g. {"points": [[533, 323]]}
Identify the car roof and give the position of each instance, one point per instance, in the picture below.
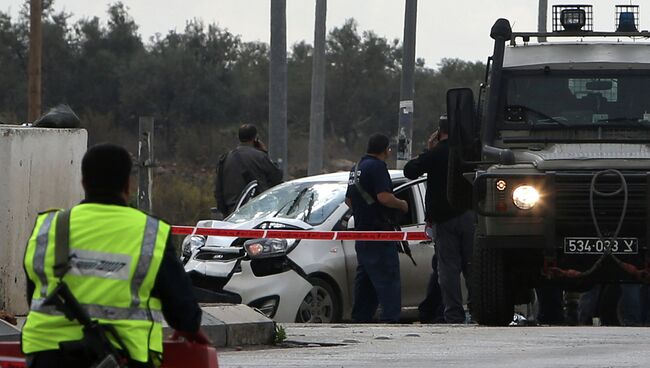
{"points": [[342, 176]]}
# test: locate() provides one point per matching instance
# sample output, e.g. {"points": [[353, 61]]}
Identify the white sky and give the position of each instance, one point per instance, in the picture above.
{"points": [[452, 28]]}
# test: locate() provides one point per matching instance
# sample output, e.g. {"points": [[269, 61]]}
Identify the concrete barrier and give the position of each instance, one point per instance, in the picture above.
{"points": [[8, 332], [230, 325], [39, 169]]}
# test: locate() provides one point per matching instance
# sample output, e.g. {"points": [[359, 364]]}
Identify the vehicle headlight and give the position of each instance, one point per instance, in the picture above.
{"points": [[192, 243], [266, 248], [525, 197]]}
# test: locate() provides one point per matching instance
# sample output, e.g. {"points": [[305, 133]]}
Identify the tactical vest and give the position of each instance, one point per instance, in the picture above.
{"points": [[115, 255]]}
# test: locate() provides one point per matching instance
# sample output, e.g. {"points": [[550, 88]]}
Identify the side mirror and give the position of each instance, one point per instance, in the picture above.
{"points": [[464, 146], [351, 223]]}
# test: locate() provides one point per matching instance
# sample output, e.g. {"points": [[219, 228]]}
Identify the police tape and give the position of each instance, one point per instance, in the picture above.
{"points": [[303, 234]]}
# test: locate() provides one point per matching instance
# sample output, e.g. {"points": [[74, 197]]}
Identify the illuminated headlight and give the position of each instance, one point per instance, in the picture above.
{"points": [[265, 248], [525, 197], [192, 243]]}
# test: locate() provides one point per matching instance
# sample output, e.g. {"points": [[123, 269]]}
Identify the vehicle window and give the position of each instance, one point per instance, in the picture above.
{"points": [[312, 203], [410, 217], [573, 98]]}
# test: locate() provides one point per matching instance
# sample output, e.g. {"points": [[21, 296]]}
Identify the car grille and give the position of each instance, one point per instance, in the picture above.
{"points": [[572, 210], [212, 255]]}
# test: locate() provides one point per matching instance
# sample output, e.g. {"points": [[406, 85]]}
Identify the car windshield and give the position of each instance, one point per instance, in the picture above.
{"points": [[312, 202], [574, 99]]}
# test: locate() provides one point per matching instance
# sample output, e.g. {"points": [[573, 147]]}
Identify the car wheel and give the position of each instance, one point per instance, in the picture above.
{"points": [[320, 305]]}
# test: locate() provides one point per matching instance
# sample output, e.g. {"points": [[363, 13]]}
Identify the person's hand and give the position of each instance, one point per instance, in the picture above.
{"points": [[433, 140], [198, 337], [404, 206], [260, 146]]}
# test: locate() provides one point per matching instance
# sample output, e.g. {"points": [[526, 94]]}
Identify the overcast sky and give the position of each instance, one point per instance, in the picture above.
{"points": [[449, 28]]}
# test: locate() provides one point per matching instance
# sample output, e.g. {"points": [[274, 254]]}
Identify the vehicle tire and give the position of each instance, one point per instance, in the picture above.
{"points": [[492, 295], [320, 305]]}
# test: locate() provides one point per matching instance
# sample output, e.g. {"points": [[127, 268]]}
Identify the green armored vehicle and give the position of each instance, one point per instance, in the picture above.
{"points": [[556, 154]]}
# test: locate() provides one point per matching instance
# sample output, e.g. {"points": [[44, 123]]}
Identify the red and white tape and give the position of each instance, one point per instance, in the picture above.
{"points": [[303, 234]]}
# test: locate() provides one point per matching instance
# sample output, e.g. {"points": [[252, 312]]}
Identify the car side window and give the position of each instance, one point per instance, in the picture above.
{"points": [[410, 217]]}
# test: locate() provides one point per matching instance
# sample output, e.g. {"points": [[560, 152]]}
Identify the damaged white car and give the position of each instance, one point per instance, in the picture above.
{"points": [[293, 280]]}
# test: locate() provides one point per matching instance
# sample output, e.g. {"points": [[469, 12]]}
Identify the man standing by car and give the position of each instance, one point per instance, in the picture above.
{"points": [[370, 195], [236, 169], [454, 228]]}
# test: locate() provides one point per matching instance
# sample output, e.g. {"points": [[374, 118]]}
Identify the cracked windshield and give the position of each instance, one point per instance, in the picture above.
{"points": [[308, 202], [578, 100]]}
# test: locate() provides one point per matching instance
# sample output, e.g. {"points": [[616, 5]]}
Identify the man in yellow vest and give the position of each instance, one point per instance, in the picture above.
{"points": [[121, 267]]}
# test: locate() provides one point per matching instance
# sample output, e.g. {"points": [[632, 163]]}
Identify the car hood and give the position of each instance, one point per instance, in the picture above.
{"points": [[223, 241]]}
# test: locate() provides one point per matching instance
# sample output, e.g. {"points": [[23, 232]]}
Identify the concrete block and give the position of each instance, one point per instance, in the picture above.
{"points": [[8, 332], [244, 325], [213, 327], [39, 169]]}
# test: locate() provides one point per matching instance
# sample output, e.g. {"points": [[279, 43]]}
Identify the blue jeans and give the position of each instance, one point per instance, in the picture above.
{"points": [[377, 282]]}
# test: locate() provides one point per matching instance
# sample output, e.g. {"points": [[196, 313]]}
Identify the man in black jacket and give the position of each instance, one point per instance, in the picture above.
{"points": [[454, 229], [236, 169]]}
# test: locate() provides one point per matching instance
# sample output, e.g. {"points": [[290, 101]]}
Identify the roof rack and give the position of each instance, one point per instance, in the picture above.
{"points": [[526, 36]]}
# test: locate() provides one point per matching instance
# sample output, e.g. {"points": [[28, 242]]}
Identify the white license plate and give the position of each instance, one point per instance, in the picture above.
{"points": [[586, 245]]}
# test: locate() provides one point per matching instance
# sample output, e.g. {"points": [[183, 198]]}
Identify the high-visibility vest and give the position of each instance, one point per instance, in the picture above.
{"points": [[115, 255]]}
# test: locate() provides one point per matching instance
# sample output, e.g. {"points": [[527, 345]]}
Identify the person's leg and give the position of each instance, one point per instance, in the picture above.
{"points": [[551, 305], [449, 268], [382, 267], [364, 303], [431, 309], [629, 305], [588, 306]]}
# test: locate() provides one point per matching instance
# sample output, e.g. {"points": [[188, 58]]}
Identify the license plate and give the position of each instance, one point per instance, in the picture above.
{"points": [[586, 245]]}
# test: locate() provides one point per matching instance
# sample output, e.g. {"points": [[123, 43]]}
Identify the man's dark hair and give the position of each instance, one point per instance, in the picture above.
{"points": [[247, 132], [443, 124], [105, 169], [377, 143]]}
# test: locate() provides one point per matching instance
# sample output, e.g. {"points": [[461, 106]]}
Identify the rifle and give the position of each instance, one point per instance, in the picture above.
{"points": [[95, 344]]}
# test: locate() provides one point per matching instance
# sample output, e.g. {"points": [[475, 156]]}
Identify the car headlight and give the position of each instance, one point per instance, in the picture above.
{"points": [[266, 248], [192, 243], [525, 197]]}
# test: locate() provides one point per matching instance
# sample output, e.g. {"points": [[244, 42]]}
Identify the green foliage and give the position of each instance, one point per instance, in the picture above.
{"points": [[201, 83], [280, 334]]}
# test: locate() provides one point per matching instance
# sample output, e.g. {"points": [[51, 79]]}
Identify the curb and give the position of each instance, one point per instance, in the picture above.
{"points": [[230, 325]]}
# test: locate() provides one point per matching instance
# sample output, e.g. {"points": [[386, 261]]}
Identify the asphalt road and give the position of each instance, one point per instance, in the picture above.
{"points": [[399, 346]]}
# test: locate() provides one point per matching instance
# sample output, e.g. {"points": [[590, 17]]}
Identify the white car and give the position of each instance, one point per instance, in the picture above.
{"points": [[301, 280]]}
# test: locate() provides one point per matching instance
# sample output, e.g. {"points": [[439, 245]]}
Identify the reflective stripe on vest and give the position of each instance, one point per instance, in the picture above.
{"points": [[144, 261], [104, 312], [41, 249]]}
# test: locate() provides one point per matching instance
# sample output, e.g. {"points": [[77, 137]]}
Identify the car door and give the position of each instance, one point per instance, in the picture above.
{"points": [[414, 277]]}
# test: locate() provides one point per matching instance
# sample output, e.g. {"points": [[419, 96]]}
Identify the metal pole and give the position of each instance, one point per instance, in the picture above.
{"points": [[145, 163], [317, 108], [542, 19], [278, 86], [405, 130], [34, 68]]}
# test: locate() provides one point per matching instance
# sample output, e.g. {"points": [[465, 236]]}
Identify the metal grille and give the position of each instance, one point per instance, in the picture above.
{"points": [[629, 9], [573, 216], [210, 255], [557, 14]]}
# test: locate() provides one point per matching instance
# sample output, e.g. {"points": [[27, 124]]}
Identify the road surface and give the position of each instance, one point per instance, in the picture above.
{"points": [[401, 346]]}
